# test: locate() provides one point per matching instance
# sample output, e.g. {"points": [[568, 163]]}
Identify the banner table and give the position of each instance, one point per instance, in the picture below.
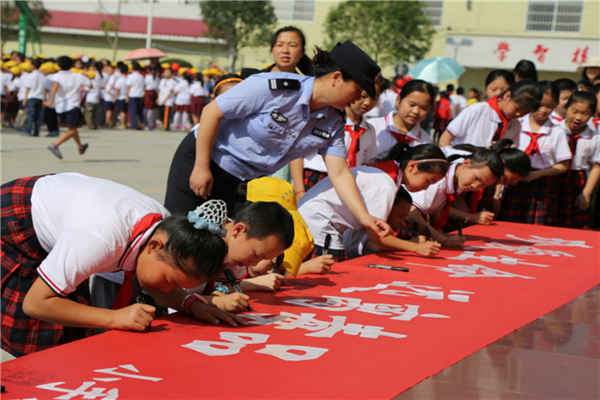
{"points": [[356, 332]]}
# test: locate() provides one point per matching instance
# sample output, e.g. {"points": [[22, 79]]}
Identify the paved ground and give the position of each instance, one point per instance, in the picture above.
{"points": [[138, 159]]}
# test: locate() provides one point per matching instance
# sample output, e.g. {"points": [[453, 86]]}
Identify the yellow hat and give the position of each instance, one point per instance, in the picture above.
{"points": [[47, 67], [25, 66], [130, 67], [42, 55], [143, 65], [165, 65], [74, 56], [194, 70], [91, 74], [10, 63], [206, 72], [15, 70], [182, 71], [214, 71], [114, 63], [56, 67], [282, 192], [91, 56], [6, 57]]}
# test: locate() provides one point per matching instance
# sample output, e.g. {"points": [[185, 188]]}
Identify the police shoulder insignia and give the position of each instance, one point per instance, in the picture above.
{"points": [[284, 84]]}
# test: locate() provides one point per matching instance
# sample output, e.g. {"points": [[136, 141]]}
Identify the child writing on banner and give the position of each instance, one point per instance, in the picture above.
{"points": [[65, 97], [432, 207], [577, 185], [58, 230], [485, 123], [566, 88], [359, 139], [534, 199], [413, 103], [324, 212]]}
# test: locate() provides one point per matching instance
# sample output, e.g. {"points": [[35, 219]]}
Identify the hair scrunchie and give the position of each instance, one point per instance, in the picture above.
{"points": [[211, 215]]}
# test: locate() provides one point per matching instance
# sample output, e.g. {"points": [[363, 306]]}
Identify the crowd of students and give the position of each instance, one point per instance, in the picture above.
{"points": [[356, 186]]}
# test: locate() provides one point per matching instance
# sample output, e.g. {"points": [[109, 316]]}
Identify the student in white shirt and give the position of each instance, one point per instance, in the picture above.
{"points": [[183, 100], [50, 117], [120, 94], [484, 123], [198, 97], [109, 106], [326, 215], [92, 99], [413, 104], [566, 88], [151, 80], [5, 78], [460, 102], [135, 96], [34, 85], [65, 96], [166, 99]]}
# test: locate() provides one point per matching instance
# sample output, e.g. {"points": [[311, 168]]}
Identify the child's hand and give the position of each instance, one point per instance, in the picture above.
{"points": [[454, 241], [318, 265], [204, 312], [234, 302], [583, 202], [484, 217], [264, 283], [135, 317], [428, 249], [418, 239]]}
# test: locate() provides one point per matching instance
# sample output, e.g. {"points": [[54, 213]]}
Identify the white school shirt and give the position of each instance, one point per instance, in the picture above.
{"points": [[434, 197], [594, 125], [5, 78], [587, 148], [324, 212], [384, 139], [48, 88], [554, 144], [121, 84], [85, 224], [15, 86], [109, 87], [93, 94], [477, 125], [183, 96], [164, 87], [198, 90], [68, 93], [387, 102], [367, 151], [135, 81], [556, 119], [151, 82], [35, 82]]}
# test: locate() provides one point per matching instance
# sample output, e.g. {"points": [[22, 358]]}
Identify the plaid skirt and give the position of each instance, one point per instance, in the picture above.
{"points": [[182, 107], [21, 255], [312, 177], [150, 97], [197, 105], [570, 185], [531, 202]]}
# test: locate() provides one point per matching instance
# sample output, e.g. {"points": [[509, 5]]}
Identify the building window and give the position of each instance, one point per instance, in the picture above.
{"points": [[554, 16], [294, 10], [434, 10]]}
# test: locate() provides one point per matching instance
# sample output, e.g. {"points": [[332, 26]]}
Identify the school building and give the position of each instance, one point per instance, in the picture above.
{"points": [[482, 35]]}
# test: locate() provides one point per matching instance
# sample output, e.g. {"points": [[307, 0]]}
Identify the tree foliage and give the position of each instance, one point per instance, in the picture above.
{"points": [[386, 30], [10, 19], [239, 23]]}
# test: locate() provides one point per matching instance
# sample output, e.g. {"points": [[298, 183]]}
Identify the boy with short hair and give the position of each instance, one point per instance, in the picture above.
{"points": [[566, 87], [34, 84]]}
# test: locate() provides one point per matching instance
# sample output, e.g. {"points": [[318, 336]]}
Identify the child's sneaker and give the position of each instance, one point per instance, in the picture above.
{"points": [[55, 151], [83, 148]]}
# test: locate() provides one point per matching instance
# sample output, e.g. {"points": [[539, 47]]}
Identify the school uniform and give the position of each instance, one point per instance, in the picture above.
{"points": [[54, 235], [109, 91], [50, 116], [150, 91], [166, 101], [387, 135], [483, 124], [92, 100], [325, 213], [387, 102], [5, 79], [67, 98], [198, 97], [536, 202], [555, 118], [438, 197], [362, 149], [183, 97], [135, 83], [585, 147], [121, 85], [35, 82]]}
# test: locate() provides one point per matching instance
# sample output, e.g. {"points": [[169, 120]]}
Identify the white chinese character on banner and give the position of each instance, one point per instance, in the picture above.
{"points": [[408, 290], [93, 393], [506, 260], [290, 353], [520, 250], [129, 367], [540, 241], [475, 270]]}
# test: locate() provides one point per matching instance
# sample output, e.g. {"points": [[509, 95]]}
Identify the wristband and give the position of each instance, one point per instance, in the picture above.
{"points": [[187, 302], [223, 289]]}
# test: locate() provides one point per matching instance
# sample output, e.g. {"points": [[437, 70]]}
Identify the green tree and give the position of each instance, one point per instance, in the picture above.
{"points": [[239, 23], [388, 31], [10, 19]]}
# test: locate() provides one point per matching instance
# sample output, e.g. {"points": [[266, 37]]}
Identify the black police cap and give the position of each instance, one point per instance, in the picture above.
{"points": [[357, 64]]}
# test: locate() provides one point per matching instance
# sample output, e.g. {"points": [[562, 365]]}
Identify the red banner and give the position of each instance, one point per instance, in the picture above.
{"points": [[356, 332]]}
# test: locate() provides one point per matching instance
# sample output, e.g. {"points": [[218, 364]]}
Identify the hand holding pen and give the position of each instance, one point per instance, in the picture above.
{"points": [[231, 279]]}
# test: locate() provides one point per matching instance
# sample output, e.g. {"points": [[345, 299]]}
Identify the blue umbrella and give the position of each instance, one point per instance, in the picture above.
{"points": [[437, 69]]}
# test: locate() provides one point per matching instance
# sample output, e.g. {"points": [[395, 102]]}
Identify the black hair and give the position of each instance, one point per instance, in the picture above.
{"points": [[418, 85], [305, 64], [526, 94], [382, 83], [324, 65], [403, 196], [596, 89], [450, 87], [136, 66], [187, 76], [99, 66], [64, 62], [500, 73], [445, 94], [584, 76], [475, 90], [525, 70], [460, 90], [586, 84], [119, 63], [123, 68], [565, 84], [37, 63], [481, 157], [264, 219], [516, 161], [196, 252], [403, 153], [548, 87], [222, 78], [582, 96]]}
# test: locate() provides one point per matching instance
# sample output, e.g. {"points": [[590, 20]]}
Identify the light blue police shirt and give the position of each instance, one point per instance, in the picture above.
{"points": [[265, 129]]}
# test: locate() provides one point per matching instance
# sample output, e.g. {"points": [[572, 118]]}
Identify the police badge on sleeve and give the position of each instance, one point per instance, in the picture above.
{"points": [[321, 133], [278, 117]]}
